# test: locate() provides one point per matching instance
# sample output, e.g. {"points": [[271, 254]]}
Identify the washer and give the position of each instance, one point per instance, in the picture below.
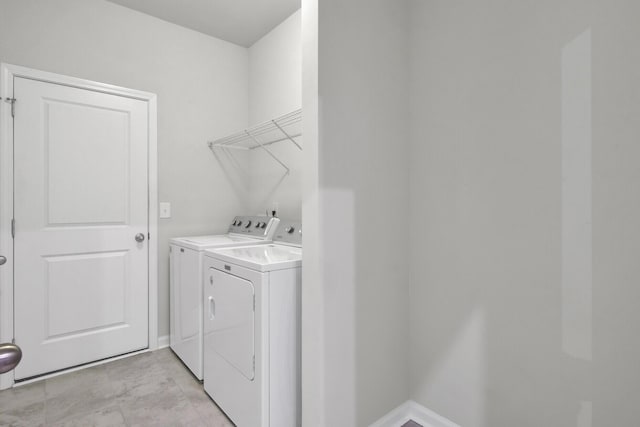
{"points": [[252, 330], [185, 282]]}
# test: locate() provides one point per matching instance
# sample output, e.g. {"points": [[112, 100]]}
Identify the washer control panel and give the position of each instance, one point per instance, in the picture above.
{"points": [[257, 226], [289, 232]]}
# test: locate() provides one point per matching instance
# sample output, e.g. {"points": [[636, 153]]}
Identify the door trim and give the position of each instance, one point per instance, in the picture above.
{"points": [[7, 74]]}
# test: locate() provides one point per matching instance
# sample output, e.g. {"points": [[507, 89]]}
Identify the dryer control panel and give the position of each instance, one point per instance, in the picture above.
{"points": [[256, 226], [289, 232]]}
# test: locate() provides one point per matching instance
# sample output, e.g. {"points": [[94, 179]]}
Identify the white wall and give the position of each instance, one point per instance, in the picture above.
{"points": [[524, 128], [314, 367], [202, 88], [275, 71], [275, 88], [355, 361]]}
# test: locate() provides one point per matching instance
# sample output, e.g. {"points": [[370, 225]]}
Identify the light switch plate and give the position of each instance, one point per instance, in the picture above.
{"points": [[165, 210]]}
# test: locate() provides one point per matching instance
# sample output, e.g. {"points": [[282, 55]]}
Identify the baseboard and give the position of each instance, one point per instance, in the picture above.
{"points": [[396, 417], [427, 417], [411, 410], [163, 342]]}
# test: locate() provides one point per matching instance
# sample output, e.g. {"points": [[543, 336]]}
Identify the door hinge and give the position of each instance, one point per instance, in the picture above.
{"points": [[12, 101], [13, 228]]}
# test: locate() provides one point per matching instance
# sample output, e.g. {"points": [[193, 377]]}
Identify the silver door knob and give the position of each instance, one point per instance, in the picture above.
{"points": [[139, 237], [10, 355], [3, 260]]}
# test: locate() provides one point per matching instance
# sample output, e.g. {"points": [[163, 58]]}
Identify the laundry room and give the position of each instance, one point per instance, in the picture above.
{"points": [[465, 174], [205, 88]]}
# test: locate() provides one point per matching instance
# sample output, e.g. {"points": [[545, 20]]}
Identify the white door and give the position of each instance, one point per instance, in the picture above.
{"points": [[80, 199], [231, 320]]}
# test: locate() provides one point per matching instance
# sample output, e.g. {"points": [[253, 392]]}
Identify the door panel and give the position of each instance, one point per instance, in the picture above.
{"points": [[97, 151], [231, 319], [81, 279], [98, 280]]}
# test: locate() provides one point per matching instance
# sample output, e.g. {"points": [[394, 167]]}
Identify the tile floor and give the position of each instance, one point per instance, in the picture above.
{"points": [[149, 389]]}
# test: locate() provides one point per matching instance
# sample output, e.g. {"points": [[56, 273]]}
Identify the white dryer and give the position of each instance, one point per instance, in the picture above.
{"points": [[252, 330], [185, 282]]}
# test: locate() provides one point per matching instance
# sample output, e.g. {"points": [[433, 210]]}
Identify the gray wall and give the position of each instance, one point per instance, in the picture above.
{"points": [[202, 88], [522, 211], [356, 274], [616, 212], [524, 177]]}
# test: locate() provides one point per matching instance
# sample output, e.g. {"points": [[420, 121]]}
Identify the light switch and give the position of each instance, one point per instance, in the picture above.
{"points": [[165, 210]]}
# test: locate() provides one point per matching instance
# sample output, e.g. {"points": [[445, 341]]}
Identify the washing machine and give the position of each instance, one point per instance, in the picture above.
{"points": [[185, 282], [252, 330]]}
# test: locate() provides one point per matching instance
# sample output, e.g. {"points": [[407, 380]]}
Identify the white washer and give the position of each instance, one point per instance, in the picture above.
{"points": [[185, 282], [252, 330]]}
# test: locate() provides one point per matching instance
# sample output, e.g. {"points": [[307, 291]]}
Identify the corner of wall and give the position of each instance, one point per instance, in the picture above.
{"points": [[412, 411]]}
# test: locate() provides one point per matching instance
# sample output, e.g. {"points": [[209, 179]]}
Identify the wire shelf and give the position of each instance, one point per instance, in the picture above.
{"points": [[284, 128]]}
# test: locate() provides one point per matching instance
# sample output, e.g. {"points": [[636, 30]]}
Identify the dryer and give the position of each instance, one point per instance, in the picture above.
{"points": [[185, 282], [252, 330]]}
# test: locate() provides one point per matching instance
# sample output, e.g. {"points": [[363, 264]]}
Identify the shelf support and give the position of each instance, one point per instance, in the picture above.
{"points": [[286, 134], [267, 150]]}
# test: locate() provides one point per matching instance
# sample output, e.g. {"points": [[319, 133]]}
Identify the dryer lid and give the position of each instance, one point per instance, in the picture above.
{"points": [[260, 257], [213, 241]]}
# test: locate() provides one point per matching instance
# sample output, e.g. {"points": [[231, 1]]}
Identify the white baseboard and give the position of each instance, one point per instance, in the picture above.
{"points": [[428, 418], [396, 417], [411, 410], [163, 342]]}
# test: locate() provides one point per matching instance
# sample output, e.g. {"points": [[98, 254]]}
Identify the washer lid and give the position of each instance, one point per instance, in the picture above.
{"points": [[260, 257], [200, 243]]}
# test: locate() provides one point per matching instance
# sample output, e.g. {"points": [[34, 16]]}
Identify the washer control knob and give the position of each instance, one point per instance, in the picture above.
{"points": [[239, 223], [258, 224], [248, 224], [290, 229], [264, 224], [234, 222]]}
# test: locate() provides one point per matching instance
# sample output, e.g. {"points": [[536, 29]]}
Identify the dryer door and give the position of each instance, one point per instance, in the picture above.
{"points": [[230, 318]]}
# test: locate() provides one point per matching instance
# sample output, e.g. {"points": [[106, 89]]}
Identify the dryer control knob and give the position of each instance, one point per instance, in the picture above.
{"points": [[289, 230], [239, 223], [248, 224]]}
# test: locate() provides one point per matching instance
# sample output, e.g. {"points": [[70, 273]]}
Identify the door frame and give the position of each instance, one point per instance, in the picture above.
{"points": [[7, 74]]}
